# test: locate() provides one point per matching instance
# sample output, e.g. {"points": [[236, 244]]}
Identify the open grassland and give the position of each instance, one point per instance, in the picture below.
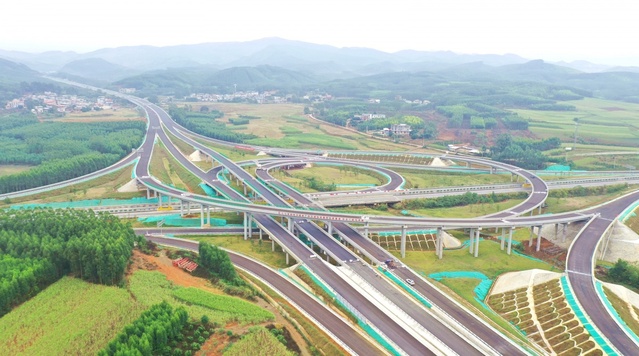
{"points": [[69, 317], [416, 178], [99, 188], [491, 261], [259, 250], [600, 122], [6, 170], [121, 114], [327, 175], [166, 168]]}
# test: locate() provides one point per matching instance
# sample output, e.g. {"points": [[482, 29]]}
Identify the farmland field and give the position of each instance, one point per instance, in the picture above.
{"points": [[12, 169], [600, 122], [283, 125]]}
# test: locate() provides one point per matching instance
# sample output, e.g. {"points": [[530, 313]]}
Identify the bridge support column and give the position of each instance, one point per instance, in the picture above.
{"points": [[403, 242], [477, 242], [539, 211], [510, 240], [556, 231], [289, 224], [439, 245], [287, 258], [563, 232], [208, 215], [272, 244], [159, 200], [244, 185], [260, 232], [245, 225], [366, 229], [201, 215], [472, 240], [181, 208], [330, 228], [188, 208], [530, 238], [538, 238], [503, 237]]}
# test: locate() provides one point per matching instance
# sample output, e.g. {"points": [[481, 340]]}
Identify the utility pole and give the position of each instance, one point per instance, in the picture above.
{"points": [[576, 120]]}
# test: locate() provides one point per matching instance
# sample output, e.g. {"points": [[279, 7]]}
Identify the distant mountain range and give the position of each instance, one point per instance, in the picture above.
{"points": [[273, 63]]}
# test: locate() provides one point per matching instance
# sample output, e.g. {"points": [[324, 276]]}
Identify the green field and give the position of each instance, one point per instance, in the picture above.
{"points": [[167, 169], [491, 261], [69, 316], [601, 122], [328, 175]]}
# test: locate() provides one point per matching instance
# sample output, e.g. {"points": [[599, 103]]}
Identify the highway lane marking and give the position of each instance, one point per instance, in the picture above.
{"points": [[581, 273]]}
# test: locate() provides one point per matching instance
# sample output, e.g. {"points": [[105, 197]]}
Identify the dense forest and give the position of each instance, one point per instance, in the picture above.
{"points": [[37, 247], [61, 150], [151, 333]]}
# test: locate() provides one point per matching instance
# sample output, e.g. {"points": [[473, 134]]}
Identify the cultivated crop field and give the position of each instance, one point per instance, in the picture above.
{"points": [[121, 114], [600, 121], [250, 312], [284, 125], [6, 170], [150, 288]]}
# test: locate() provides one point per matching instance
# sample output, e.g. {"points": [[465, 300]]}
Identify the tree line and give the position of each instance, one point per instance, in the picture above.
{"points": [[523, 153], [626, 273], [39, 246], [218, 264]]}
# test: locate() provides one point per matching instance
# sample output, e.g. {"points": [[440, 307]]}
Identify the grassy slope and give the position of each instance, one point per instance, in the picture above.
{"points": [[252, 248], [69, 316]]}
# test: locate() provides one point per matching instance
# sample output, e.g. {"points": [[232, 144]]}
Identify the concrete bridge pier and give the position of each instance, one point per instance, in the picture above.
{"points": [[287, 258], [289, 224], [272, 244], [244, 185], [530, 238], [503, 238], [472, 241], [245, 226], [439, 244], [538, 238], [366, 229], [563, 233], [260, 232], [208, 215], [201, 215], [510, 240], [477, 232], [159, 200], [402, 243], [330, 228], [181, 208]]}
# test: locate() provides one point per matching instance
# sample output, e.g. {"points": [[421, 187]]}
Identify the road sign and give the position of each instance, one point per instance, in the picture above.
{"points": [[160, 223]]}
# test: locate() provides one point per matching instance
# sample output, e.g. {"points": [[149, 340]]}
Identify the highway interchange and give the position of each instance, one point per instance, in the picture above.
{"points": [[449, 327]]}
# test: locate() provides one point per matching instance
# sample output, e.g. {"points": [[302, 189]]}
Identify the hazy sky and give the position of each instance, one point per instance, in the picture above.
{"points": [[599, 31]]}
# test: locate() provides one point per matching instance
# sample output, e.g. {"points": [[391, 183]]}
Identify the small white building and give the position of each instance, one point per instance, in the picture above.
{"points": [[400, 129]]}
